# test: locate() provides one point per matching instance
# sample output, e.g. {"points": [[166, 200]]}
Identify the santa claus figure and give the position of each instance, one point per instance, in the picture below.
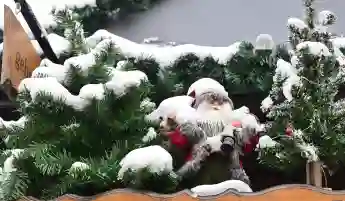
{"points": [[212, 101], [217, 132]]}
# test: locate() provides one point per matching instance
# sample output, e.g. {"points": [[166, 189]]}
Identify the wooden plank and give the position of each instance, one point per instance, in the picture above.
{"points": [[282, 193]]}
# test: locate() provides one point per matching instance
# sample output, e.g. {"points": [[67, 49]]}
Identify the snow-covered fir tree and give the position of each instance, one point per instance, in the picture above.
{"points": [[304, 104]]}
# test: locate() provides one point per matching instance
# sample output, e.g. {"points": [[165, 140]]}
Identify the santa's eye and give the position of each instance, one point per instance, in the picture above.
{"points": [[160, 118]]}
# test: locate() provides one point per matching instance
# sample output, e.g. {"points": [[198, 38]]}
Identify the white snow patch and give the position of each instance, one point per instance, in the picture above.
{"points": [[118, 84], [155, 158], [266, 104], [288, 84], [308, 151], [297, 24], [8, 164], [8, 125], [150, 135], [147, 104], [265, 142], [121, 65], [338, 42], [315, 48], [164, 55], [216, 189], [79, 166], [324, 16], [284, 69]]}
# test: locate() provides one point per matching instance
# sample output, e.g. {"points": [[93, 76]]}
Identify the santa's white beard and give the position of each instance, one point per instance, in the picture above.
{"points": [[207, 113]]}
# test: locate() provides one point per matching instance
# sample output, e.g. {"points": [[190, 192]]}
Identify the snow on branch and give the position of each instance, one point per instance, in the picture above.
{"points": [[315, 48], [9, 125], [155, 158], [165, 55], [120, 81]]}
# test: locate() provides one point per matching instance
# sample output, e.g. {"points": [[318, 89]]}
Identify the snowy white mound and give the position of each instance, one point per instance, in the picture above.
{"points": [[155, 158], [216, 189]]}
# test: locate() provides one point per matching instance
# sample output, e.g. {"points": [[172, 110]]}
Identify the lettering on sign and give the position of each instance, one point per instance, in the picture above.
{"points": [[21, 64]]}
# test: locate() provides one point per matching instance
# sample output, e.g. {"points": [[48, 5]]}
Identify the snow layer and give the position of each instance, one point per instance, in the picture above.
{"points": [[288, 72], [315, 48], [8, 125], [120, 82], [324, 17], [8, 164], [216, 189], [338, 42], [150, 135], [308, 151], [266, 142], [55, 75], [165, 55], [79, 166], [296, 23], [155, 158], [42, 10], [266, 104]]}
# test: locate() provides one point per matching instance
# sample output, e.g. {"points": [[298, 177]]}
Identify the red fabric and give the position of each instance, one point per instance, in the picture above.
{"points": [[253, 141], [180, 140], [288, 131], [177, 138]]}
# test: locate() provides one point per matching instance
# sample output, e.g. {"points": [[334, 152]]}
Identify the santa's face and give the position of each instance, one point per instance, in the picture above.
{"points": [[213, 109]]}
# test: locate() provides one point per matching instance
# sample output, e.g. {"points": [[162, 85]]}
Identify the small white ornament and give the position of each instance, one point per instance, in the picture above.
{"points": [[79, 166], [265, 142], [264, 42], [150, 135]]}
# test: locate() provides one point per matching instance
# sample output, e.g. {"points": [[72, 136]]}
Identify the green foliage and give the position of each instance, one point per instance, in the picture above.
{"points": [[249, 70], [314, 112], [107, 11], [143, 179]]}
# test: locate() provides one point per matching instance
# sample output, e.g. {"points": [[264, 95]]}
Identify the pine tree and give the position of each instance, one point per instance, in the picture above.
{"points": [[78, 121], [304, 106]]}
